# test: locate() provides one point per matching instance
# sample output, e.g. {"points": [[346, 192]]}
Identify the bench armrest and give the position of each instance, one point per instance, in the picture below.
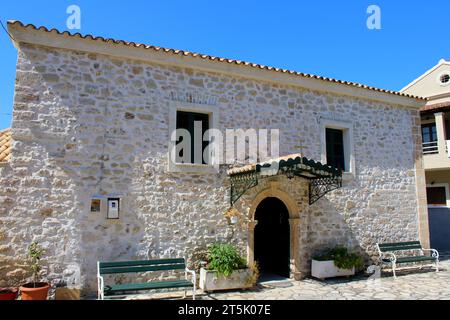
{"points": [[100, 283], [192, 272], [388, 255], [194, 280], [434, 253], [101, 286]]}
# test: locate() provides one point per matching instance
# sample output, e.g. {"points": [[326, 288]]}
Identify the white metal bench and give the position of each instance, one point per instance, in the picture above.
{"points": [[121, 267], [390, 254]]}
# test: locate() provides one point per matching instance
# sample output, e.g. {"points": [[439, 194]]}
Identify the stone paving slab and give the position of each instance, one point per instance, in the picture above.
{"points": [[413, 284]]}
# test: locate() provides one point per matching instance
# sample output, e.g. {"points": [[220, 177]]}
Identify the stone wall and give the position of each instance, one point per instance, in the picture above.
{"points": [[86, 125]]}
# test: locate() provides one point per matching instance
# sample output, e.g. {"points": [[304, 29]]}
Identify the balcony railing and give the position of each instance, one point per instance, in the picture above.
{"points": [[430, 147]]}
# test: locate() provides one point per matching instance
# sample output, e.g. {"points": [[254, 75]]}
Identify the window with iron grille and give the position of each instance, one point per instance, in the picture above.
{"points": [[445, 78]]}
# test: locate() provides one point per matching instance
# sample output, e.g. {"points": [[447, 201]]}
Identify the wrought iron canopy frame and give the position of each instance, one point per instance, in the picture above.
{"points": [[322, 178]]}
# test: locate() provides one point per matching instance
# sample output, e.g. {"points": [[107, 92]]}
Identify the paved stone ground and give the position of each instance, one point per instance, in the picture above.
{"points": [[411, 284], [414, 284]]}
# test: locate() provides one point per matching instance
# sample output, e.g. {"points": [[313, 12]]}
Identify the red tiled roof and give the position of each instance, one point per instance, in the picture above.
{"points": [[212, 58], [5, 145], [435, 107]]}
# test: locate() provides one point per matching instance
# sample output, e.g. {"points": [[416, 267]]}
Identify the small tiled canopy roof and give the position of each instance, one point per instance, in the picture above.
{"points": [[5, 145], [311, 168], [252, 167], [322, 178]]}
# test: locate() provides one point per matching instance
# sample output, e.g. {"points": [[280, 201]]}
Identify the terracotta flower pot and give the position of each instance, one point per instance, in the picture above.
{"points": [[30, 291], [8, 293]]}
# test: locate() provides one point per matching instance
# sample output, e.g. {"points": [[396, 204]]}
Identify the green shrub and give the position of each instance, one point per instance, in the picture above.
{"points": [[35, 253], [199, 258], [342, 258], [224, 259]]}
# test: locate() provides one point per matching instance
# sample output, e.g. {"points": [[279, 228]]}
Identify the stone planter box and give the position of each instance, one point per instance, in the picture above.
{"points": [[211, 281], [327, 269]]}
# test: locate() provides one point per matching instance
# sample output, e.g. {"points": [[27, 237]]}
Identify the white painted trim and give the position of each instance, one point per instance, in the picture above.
{"points": [[76, 43], [431, 99], [213, 113], [447, 193], [441, 62], [349, 152]]}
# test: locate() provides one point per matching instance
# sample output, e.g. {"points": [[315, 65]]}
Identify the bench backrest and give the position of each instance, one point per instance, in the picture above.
{"points": [[141, 266], [399, 246]]}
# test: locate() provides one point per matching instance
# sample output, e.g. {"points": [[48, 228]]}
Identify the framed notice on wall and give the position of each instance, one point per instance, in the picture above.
{"points": [[96, 205], [113, 208]]}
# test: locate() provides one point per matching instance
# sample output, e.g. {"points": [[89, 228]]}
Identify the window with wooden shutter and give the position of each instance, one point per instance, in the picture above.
{"points": [[186, 120], [335, 148]]}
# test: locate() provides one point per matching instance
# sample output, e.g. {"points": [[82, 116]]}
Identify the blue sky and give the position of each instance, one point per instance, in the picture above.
{"points": [[328, 38]]}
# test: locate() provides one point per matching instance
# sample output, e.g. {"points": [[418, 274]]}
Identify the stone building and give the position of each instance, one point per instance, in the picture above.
{"points": [[89, 176]]}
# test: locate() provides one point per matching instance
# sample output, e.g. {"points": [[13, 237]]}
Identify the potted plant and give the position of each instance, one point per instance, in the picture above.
{"points": [[232, 215], [225, 269], [35, 290], [8, 293], [335, 263]]}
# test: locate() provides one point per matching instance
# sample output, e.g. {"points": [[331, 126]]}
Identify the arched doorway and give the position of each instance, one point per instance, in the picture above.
{"points": [[272, 239]]}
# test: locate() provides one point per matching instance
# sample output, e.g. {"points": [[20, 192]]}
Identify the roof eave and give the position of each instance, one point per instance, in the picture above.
{"points": [[119, 49]]}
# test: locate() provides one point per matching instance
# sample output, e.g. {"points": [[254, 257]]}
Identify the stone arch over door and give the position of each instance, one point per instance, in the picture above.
{"points": [[294, 221]]}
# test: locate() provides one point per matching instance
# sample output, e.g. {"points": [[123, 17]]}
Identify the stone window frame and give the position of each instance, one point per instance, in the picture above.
{"points": [[349, 152], [213, 113], [447, 194]]}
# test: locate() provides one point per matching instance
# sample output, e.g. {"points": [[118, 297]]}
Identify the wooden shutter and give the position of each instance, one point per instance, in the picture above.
{"points": [[335, 148]]}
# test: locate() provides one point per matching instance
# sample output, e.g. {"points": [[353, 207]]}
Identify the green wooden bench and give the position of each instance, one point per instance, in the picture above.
{"points": [[122, 267], [390, 254]]}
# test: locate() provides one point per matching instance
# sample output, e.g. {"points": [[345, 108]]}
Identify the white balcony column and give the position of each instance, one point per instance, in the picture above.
{"points": [[440, 130]]}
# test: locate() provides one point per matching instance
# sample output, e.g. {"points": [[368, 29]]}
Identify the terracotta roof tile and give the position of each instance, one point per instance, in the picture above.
{"points": [[5, 145], [251, 167], [212, 58]]}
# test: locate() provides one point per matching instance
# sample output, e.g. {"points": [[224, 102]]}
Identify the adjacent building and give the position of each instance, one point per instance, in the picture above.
{"points": [[435, 120]]}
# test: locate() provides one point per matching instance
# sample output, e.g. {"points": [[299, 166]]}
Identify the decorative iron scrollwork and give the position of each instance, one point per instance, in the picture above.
{"points": [[318, 187], [241, 183]]}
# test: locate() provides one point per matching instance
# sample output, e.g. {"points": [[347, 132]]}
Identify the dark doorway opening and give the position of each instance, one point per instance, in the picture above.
{"points": [[439, 220], [272, 239]]}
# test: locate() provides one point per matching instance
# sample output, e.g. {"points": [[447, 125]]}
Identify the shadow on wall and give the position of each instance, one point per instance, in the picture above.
{"points": [[329, 227], [360, 224], [439, 221]]}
